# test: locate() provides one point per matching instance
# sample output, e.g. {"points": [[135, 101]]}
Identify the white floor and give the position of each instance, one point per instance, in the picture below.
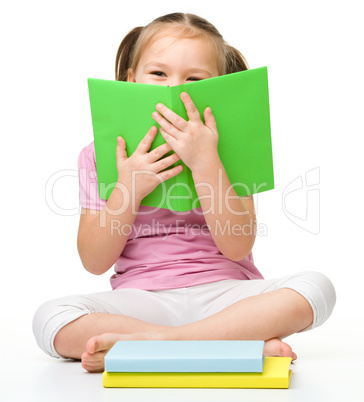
{"points": [[329, 368]]}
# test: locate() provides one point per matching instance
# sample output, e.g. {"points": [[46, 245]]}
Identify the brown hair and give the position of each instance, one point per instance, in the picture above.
{"points": [[230, 60]]}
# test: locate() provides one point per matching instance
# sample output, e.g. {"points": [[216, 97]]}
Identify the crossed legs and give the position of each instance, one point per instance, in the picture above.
{"points": [[86, 326], [267, 316]]}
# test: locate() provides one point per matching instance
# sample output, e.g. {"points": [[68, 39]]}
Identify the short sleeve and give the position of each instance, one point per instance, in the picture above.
{"points": [[89, 192]]}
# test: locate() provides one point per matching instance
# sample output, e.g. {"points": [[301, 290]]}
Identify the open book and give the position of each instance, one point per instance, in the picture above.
{"points": [[240, 105]]}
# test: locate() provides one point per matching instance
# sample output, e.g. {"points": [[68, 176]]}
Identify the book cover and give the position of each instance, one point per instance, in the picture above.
{"points": [[240, 105], [276, 374], [185, 356]]}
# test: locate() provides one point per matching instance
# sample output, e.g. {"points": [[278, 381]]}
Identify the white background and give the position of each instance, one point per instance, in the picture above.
{"points": [[313, 51]]}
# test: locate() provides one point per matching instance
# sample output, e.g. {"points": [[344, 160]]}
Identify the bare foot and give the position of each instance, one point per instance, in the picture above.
{"points": [[97, 347], [275, 347]]}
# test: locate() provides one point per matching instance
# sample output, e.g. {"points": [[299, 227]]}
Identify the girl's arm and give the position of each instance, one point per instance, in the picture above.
{"points": [[101, 238], [231, 219], [102, 235]]}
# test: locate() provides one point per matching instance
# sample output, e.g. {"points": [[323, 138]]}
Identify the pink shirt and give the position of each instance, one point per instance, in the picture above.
{"points": [[165, 249]]}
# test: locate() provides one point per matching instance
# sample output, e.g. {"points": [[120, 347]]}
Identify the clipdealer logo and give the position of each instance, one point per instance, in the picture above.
{"points": [[307, 190], [300, 198]]}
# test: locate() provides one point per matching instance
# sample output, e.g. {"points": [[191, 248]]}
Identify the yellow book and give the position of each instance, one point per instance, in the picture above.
{"points": [[276, 374]]}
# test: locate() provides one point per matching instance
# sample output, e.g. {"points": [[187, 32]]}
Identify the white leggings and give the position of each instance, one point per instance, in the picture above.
{"points": [[174, 307]]}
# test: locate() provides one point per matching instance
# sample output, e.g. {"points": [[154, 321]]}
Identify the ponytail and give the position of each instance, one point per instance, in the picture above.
{"points": [[235, 61], [124, 54]]}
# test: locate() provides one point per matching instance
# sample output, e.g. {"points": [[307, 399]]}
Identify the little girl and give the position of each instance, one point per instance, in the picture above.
{"points": [[175, 281]]}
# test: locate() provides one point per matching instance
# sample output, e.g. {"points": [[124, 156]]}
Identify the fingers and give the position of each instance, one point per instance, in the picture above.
{"points": [[121, 149], [210, 121], [168, 174], [170, 139], [192, 112], [169, 120], [174, 120], [146, 142], [166, 162], [158, 152]]}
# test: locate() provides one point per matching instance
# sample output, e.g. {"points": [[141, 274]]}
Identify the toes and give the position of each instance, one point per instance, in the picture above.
{"points": [[91, 369], [96, 349], [275, 347], [102, 342], [91, 345], [93, 363], [285, 350]]}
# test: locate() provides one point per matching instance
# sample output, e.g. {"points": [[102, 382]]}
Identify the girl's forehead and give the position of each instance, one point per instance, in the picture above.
{"points": [[161, 40], [166, 44]]}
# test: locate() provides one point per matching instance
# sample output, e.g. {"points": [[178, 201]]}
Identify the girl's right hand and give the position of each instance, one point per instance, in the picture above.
{"points": [[142, 170]]}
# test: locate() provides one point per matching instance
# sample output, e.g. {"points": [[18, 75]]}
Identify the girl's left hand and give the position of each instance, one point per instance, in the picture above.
{"points": [[193, 141]]}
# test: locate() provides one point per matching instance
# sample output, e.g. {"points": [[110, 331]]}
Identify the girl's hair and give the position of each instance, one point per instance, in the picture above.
{"points": [[230, 60]]}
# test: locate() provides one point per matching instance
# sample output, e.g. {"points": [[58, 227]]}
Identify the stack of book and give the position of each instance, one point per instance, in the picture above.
{"points": [[194, 364]]}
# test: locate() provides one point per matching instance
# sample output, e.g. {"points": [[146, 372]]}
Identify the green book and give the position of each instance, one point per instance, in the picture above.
{"points": [[240, 105]]}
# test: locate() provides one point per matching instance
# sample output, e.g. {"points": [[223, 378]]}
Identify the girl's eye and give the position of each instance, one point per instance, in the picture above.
{"points": [[193, 79], [158, 73]]}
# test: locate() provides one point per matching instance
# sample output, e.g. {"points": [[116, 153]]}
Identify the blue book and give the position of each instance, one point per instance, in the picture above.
{"points": [[185, 356]]}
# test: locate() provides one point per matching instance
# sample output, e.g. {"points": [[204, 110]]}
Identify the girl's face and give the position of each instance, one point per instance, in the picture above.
{"points": [[175, 61]]}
